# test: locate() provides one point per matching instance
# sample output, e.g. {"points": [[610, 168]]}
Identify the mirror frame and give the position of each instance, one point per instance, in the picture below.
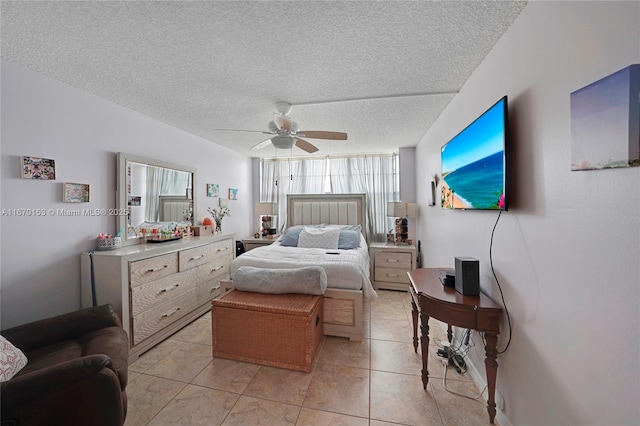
{"points": [[121, 185]]}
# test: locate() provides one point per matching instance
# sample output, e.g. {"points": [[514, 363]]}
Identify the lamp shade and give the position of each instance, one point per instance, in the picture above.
{"points": [[266, 209], [401, 209]]}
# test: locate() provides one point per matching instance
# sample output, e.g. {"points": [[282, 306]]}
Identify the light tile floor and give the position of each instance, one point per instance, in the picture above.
{"points": [[375, 382]]}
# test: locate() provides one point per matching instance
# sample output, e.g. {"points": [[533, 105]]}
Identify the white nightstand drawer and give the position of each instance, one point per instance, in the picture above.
{"points": [[395, 275], [385, 259]]}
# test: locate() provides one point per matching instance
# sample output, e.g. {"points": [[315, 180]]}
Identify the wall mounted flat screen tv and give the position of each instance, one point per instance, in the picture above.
{"points": [[474, 163]]}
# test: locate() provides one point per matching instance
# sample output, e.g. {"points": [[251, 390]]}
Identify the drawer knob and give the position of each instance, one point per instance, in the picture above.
{"points": [[222, 249], [159, 268], [214, 288], [392, 260], [392, 275], [168, 314], [217, 268], [173, 287], [197, 257]]}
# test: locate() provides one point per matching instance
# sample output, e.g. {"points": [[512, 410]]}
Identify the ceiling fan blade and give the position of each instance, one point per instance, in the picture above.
{"points": [[239, 130], [283, 122], [261, 144], [306, 146], [321, 134]]}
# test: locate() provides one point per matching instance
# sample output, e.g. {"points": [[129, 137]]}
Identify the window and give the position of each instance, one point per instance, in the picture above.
{"points": [[375, 175]]}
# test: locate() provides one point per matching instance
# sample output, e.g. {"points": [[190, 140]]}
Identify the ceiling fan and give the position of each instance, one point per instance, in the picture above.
{"points": [[286, 133]]}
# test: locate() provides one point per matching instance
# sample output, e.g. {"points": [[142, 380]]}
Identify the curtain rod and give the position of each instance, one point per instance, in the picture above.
{"points": [[329, 157]]}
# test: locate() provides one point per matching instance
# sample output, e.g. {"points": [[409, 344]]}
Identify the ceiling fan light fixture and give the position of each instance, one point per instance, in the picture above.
{"points": [[282, 142]]}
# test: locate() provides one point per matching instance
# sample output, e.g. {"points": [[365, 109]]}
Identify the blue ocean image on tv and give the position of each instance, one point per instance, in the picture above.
{"points": [[473, 170]]}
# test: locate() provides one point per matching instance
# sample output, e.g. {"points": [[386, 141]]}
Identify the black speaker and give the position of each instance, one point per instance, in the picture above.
{"points": [[468, 276]]}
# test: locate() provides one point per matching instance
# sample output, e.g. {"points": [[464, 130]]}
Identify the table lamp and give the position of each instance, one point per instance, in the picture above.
{"points": [[402, 211], [266, 211]]}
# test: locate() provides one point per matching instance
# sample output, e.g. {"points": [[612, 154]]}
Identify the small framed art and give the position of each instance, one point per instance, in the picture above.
{"points": [[213, 190], [75, 192], [223, 202], [38, 168], [233, 194]]}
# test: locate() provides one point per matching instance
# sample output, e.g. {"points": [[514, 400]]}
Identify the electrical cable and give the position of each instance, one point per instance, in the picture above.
{"points": [[444, 383], [499, 286]]}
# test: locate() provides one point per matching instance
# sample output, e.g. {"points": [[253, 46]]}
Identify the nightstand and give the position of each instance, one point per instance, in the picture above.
{"points": [[390, 264], [250, 243]]}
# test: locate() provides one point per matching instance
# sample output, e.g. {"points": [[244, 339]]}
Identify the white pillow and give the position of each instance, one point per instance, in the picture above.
{"points": [[324, 238], [12, 360]]}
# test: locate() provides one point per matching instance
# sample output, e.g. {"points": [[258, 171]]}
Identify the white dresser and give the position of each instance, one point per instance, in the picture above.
{"points": [[157, 288]]}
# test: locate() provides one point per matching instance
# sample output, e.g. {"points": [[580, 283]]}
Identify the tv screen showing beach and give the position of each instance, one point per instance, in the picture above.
{"points": [[473, 163]]}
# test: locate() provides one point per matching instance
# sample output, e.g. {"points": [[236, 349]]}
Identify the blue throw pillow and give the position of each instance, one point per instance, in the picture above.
{"points": [[348, 239], [290, 236]]}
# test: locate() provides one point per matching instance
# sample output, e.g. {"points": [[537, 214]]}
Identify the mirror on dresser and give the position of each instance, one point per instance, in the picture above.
{"points": [[154, 194]]}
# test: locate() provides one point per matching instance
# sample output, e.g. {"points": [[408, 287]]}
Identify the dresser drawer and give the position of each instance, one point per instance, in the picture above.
{"points": [[223, 248], [155, 319], [208, 278], [208, 291], [149, 295], [217, 268], [196, 256], [392, 260], [144, 271], [396, 275]]}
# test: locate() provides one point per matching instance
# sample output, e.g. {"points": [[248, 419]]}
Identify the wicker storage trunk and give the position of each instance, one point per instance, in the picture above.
{"points": [[279, 330]]}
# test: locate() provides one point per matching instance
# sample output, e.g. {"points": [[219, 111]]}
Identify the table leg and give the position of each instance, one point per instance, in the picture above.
{"points": [[449, 333], [414, 316], [491, 366], [424, 328]]}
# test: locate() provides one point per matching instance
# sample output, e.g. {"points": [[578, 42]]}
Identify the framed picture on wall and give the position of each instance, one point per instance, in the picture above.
{"points": [[38, 168], [213, 190], [75, 192], [233, 194], [605, 124], [223, 202]]}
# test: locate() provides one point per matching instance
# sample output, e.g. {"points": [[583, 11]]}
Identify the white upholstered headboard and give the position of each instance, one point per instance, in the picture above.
{"points": [[334, 209], [172, 208]]}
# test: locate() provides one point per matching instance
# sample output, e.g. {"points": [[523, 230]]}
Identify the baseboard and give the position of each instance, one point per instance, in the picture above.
{"points": [[481, 382]]}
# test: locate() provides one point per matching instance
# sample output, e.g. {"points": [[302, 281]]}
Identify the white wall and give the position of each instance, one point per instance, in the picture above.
{"points": [[42, 117], [567, 252]]}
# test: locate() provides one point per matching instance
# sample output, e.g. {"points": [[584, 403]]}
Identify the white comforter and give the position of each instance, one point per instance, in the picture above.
{"points": [[349, 269]]}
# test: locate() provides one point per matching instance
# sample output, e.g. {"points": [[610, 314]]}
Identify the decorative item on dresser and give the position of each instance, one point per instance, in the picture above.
{"points": [[157, 288], [390, 264]]}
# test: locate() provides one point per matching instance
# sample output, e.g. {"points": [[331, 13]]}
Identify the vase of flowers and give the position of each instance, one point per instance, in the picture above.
{"points": [[218, 215]]}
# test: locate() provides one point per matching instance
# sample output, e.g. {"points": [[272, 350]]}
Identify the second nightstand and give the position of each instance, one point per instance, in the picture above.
{"points": [[390, 264], [250, 243]]}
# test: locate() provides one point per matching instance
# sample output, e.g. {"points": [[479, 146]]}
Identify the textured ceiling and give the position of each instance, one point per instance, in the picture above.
{"points": [[380, 71]]}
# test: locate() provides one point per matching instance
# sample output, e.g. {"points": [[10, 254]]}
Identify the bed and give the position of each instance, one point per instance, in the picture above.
{"points": [[348, 280]]}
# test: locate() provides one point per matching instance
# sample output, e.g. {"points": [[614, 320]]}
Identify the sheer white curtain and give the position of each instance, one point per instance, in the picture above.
{"points": [[161, 181], [376, 176], [280, 177]]}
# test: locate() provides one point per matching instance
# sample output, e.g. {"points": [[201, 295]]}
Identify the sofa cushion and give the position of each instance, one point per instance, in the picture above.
{"points": [[12, 360], [54, 354]]}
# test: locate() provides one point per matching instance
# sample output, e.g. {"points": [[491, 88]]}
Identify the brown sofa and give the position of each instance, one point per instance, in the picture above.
{"points": [[76, 372]]}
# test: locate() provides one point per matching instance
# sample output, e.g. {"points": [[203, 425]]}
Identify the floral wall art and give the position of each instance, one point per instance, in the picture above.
{"points": [[38, 168]]}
